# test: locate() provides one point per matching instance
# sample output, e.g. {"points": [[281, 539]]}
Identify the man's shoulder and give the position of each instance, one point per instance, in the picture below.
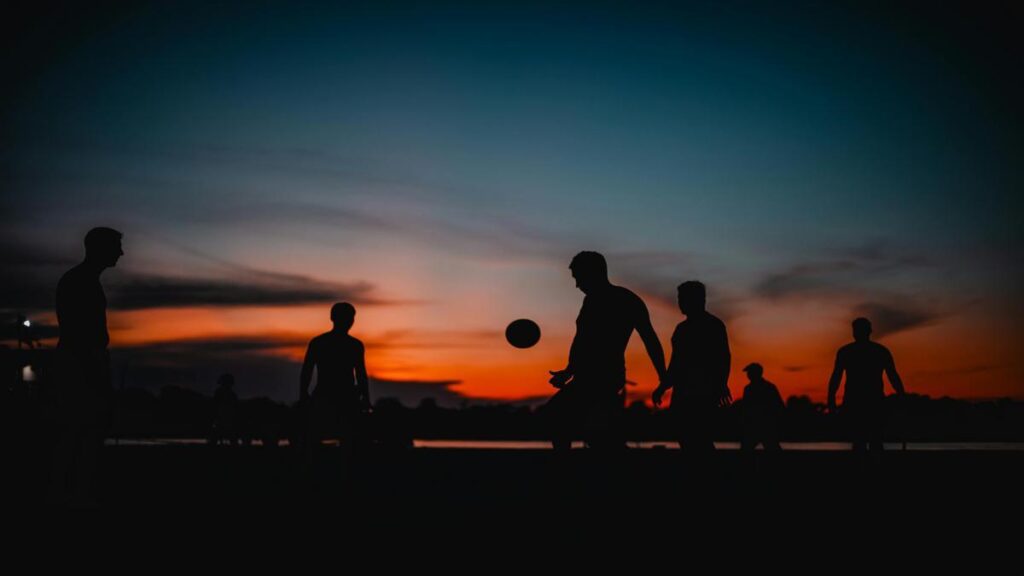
{"points": [[869, 347], [320, 339], [879, 349], [623, 292], [680, 328], [628, 298], [714, 320], [333, 339], [706, 322], [75, 275], [848, 348]]}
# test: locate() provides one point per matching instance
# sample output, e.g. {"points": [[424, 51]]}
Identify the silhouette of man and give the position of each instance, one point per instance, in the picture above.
{"points": [[863, 361], [698, 372], [226, 406], [591, 394], [762, 408], [342, 391], [83, 385]]}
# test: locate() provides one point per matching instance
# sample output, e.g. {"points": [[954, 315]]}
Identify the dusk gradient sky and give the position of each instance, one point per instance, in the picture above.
{"points": [[439, 167]]}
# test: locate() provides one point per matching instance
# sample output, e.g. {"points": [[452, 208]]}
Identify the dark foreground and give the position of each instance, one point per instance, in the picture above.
{"points": [[418, 492]]}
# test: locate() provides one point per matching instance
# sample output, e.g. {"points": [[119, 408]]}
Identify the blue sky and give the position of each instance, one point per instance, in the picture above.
{"points": [[449, 157]]}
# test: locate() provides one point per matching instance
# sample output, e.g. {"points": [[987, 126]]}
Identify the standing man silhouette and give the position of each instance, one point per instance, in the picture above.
{"points": [[225, 405], [762, 410], [591, 393], [83, 372], [863, 361], [698, 371], [342, 392]]}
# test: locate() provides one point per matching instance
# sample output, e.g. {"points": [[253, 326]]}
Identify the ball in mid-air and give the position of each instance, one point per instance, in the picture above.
{"points": [[522, 333]]}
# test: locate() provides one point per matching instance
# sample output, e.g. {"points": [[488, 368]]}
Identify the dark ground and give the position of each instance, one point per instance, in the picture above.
{"points": [[422, 491]]}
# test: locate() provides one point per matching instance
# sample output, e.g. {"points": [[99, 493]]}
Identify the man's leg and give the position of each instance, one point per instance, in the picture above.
{"points": [[604, 421], [877, 432], [559, 418], [855, 427], [702, 414]]}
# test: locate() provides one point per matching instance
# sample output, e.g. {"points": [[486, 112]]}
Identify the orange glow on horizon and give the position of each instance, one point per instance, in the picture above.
{"points": [[796, 351]]}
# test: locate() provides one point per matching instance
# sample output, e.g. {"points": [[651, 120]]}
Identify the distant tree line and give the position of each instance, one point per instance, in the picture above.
{"points": [[177, 412]]}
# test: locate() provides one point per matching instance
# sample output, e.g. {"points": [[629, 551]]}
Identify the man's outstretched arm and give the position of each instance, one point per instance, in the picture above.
{"points": [[306, 376], [362, 380], [894, 377], [653, 345], [724, 367], [656, 354], [654, 350], [562, 377], [834, 381]]}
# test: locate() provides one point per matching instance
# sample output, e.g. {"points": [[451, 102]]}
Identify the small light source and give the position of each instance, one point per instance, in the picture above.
{"points": [[26, 323], [27, 374]]}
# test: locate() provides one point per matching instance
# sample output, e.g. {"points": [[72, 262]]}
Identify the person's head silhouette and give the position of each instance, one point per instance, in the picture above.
{"points": [[862, 329], [754, 371], [103, 247], [226, 381], [343, 315], [692, 297], [590, 271]]}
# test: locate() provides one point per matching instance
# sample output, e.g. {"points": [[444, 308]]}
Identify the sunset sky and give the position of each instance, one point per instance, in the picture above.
{"points": [[439, 167]]}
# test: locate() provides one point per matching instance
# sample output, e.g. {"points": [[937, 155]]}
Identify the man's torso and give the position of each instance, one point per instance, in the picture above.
{"points": [[336, 356], [864, 363], [603, 328], [699, 350]]}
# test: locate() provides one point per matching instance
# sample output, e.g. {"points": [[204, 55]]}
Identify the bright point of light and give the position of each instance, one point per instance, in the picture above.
{"points": [[27, 323]]}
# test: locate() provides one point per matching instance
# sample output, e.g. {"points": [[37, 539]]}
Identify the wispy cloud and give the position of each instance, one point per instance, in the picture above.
{"points": [[211, 347], [432, 339], [16, 253], [889, 318], [847, 270], [655, 276], [32, 275], [139, 292], [324, 190], [479, 232], [958, 371], [876, 279], [653, 273], [815, 279], [143, 291], [27, 294]]}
